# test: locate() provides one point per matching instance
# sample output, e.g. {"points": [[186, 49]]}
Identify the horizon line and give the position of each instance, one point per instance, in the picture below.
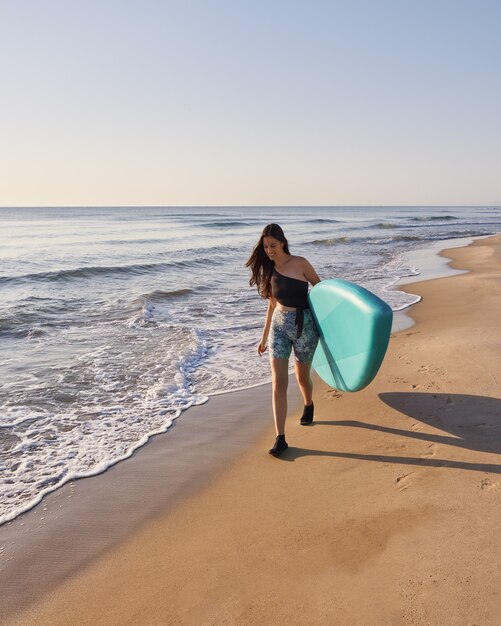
{"points": [[494, 205]]}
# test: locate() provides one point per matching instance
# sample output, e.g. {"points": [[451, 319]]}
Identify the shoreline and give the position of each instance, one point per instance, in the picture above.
{"points": [[430, 266], [428, 257], [98, 512], [86, 526]]}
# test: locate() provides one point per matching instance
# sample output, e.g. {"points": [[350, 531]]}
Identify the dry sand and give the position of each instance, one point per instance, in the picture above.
{"points": [[385, 511]]}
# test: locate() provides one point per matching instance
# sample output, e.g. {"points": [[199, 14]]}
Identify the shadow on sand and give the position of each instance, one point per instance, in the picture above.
{"points": [[470, 422]]}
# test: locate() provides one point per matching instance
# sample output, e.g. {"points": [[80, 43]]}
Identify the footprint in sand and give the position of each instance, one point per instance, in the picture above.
{"points": [[397, 379], [332, 394], [397, 445], [445, 408], [431, 385], [438, 376], [487, 484], [430, 452], [403, 481]]}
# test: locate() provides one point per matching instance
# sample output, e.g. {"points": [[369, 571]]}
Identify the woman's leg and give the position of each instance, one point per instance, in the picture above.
{"points": [[304, 348], [280, 381], [303, 376]]}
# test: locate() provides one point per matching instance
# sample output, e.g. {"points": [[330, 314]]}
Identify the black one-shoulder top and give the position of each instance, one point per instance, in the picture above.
{"points": [[291, 292]]}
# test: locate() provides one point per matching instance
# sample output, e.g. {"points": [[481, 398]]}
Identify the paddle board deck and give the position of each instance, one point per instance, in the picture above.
{"points": [[354, 327]]}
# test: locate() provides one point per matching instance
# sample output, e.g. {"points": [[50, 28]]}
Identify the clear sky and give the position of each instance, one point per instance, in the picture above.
{"points": [[250, 102]]}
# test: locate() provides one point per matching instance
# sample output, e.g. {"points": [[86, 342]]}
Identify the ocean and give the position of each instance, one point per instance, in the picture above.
{"points": [[114, 321]]}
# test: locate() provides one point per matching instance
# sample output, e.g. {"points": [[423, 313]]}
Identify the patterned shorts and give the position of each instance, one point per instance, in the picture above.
{"points": [[283, 332]]}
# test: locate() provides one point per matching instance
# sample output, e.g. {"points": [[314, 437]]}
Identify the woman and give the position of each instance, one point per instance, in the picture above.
{"points": [[283, 279]]}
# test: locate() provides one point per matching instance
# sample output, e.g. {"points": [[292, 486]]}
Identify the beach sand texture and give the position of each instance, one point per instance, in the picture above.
{"points": [[385, 511]]}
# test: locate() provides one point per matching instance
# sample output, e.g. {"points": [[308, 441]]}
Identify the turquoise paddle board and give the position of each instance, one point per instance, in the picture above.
{"points": [[354, 327]]}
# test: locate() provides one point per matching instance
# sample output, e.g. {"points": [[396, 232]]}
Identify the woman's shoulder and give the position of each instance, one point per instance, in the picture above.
{"points": [[300, 266], [297, 259], [300, 261], [304, 267]]}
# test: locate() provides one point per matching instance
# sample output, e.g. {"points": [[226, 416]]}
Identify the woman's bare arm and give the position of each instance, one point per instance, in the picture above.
{"points": [[310, 273], [269, 314]]}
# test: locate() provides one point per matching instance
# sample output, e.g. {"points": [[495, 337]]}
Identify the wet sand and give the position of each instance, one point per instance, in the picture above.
{"points": [[384, 511]]}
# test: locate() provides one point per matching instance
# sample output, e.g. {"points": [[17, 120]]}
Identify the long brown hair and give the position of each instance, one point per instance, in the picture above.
{"points": [[260, 263]]}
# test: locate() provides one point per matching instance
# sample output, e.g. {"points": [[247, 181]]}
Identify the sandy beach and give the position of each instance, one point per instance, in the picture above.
{"points": [[385, 511]]}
